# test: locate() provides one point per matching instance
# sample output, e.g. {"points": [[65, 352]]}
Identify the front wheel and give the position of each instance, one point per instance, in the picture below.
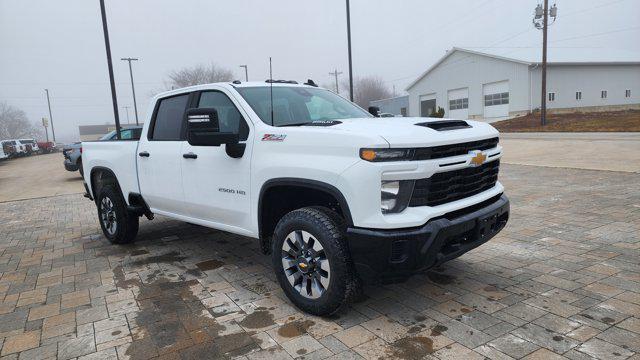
{"points": [[119, 225], [312, 261]]}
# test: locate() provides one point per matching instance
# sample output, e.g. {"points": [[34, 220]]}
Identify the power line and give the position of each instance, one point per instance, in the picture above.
{"points": [[335, 73], [598, 34]]}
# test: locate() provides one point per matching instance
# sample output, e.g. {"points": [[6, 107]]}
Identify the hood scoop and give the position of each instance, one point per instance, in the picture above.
{"points": [[445, 125]]}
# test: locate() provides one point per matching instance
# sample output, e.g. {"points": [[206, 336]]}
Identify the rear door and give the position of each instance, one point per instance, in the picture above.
{"points": [[216, 186], [160, 157]]}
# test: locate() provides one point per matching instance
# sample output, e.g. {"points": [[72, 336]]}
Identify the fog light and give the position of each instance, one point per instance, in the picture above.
{"points": [[395, 195]]}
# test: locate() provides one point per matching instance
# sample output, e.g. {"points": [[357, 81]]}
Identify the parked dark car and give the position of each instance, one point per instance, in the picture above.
{"points": [[73, 152]]}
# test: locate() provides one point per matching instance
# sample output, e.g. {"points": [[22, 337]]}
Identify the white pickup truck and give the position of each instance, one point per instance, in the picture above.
{"points": [[337, 196]]}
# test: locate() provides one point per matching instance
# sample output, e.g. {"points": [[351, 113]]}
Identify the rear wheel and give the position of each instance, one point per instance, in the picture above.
{"points": [[312, 261], [119, 225]]}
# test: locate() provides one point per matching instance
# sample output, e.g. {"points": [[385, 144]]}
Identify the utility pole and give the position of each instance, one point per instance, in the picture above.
{"points": [[246, 72], [126, 108], [541, 21], [133, 89], [349, 49], [335, 73], [114, 99], [53, 131]]}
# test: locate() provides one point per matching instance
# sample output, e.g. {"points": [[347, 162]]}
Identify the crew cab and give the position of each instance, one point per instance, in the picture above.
{"points": [[336, 196]]}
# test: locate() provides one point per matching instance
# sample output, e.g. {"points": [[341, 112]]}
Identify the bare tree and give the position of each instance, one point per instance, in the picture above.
{"points": [[198, 74], [366, 89], [15, 125]]}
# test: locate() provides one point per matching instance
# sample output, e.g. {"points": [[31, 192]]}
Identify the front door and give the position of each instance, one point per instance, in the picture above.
{"points": [[160, 157], [217, 186]]}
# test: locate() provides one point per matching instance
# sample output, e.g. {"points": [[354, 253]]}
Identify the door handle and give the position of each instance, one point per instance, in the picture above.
{"points": [[190, 156], [143, 154]]}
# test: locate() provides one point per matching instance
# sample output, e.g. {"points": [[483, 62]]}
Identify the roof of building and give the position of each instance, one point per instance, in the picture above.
{"points": [[555, 56]]}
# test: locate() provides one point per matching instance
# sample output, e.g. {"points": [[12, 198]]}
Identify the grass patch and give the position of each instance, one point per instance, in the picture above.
{"points": [[612, 121]]}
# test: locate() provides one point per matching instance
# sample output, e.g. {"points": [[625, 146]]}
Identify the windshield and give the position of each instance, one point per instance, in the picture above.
{"points": [[299, 105]]}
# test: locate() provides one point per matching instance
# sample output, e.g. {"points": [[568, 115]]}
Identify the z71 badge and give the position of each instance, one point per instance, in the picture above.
{"points": [[273, 137]]}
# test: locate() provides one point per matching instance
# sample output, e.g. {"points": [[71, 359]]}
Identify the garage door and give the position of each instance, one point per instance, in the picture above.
{"points": [[496, 99], [458, 103]]}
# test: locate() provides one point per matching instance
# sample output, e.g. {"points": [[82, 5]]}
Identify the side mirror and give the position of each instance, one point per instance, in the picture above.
{"points": [[203, 129], [374, 110]]}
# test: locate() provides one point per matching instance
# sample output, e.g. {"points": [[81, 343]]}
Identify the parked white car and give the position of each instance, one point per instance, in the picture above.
{"points": [[30, 146], [335, 195]]}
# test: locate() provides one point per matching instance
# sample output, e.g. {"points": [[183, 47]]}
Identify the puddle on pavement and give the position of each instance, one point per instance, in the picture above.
{"points": [[257, 320], [295, 328], [171, 315], [411, 348], [167, 258], [440, 278], [209, 265], [438, 330]]}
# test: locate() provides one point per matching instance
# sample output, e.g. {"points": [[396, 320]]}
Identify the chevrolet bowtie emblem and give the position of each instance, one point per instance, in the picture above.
{"points": [[478, 159], [302, 265]]}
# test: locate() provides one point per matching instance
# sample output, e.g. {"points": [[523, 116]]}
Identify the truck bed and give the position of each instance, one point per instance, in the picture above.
{"points": [[119, 156]]}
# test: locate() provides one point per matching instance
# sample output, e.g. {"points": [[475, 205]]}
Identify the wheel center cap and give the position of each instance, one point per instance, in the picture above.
{"points": [[304, 265]]}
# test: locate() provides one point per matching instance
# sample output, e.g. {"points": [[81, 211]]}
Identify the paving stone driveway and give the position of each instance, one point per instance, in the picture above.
{"points": [[561, 281]]}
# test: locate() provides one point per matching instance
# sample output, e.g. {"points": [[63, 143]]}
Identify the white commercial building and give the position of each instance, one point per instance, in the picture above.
{"points": [[473, 85]]}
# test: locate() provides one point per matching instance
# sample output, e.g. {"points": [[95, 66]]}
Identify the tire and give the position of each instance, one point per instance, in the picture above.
{"points": [[318, 282], [118, 224]]}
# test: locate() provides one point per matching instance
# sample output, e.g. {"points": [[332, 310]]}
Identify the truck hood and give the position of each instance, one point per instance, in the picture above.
{"points": [[414, 132]]}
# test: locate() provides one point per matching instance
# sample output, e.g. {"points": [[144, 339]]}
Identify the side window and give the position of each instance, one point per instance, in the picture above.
{"points": [[126, 134], [168, 121], [228, 115]]}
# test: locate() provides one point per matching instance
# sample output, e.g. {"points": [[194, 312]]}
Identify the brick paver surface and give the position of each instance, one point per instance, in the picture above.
{"points": [[561, 281]]}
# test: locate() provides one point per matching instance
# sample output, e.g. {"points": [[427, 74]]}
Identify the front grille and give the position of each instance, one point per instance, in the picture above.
{"points": [[442, 151], [449, 186]]}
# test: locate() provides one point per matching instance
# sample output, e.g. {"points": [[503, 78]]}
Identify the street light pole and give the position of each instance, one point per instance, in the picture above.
{"points": [[114, 99], [349, 49], [133, 89], [246, 72], [53, 131]]}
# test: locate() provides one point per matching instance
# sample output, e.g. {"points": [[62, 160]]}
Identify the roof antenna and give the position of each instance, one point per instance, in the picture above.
{"points": [[271, 88]]}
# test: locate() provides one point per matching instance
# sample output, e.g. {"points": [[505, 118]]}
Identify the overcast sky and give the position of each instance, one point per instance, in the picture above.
{"points": [[59, 45]]}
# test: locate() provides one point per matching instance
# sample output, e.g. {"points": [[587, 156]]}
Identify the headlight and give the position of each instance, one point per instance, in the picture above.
{"points": [[395, 195], [377, 155]]}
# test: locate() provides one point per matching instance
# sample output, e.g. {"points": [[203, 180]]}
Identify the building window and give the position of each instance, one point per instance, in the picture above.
{"points": [[578, 95], [496, 99], [551, 96], [603, 94], [459, 104], [627, 93]]}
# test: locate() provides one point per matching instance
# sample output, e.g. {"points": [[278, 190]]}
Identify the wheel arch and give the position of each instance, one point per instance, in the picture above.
{"points": [[101, 176], [286, 184]]}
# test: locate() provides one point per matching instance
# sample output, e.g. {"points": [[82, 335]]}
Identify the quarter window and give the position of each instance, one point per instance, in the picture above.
{"points": [[169, 116], [229, 118], [458, 104], [496, 99], [578, 95], [603, 94]]}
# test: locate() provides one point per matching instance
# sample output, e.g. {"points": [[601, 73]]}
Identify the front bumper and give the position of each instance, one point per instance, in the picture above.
{"points": [[393, 255]]}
